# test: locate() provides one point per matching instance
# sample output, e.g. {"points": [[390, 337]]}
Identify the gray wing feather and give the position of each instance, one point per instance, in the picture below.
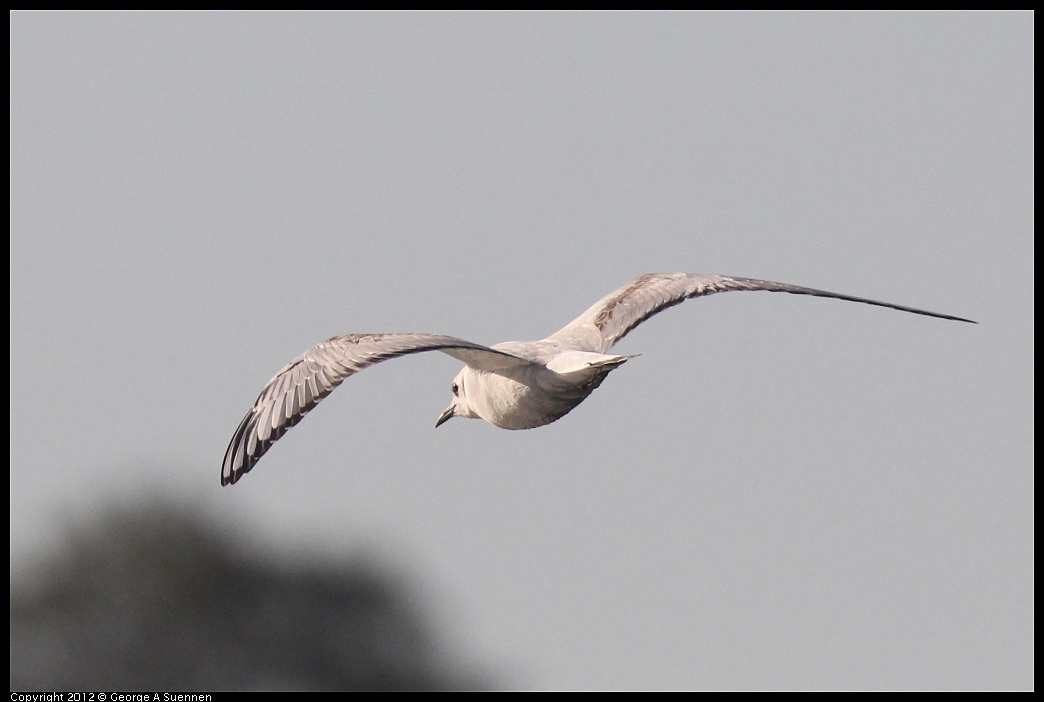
{"points": [[313, 375], [611, 318]]}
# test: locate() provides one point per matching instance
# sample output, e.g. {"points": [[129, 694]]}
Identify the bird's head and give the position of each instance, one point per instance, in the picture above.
{"points": [[459, 407]]}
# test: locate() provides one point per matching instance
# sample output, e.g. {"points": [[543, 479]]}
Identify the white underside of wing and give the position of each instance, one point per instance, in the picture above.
{"points": [[611, 318], [313, 375]]}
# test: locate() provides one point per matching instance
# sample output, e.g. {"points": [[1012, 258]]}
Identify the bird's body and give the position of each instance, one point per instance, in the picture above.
{"points": [[532, 394], [512, 385]]}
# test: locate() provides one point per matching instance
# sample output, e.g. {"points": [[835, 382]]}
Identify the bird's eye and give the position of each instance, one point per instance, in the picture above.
{"points": [[456, 389]]}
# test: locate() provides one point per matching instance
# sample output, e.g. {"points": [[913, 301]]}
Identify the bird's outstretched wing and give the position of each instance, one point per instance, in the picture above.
{"points": [[611, 318], [313, 375]]}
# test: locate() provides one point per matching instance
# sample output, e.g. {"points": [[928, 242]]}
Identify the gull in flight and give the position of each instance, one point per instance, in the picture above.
{"points": [[513, 385]]}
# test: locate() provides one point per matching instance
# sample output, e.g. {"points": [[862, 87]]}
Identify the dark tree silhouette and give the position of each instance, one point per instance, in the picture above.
{"points": [[152, 600]]}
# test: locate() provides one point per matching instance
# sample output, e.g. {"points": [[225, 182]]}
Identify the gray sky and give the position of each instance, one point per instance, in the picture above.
{"points": [[780, 492]]}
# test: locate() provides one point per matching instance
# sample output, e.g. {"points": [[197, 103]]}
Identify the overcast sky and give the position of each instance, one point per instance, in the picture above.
{"points": [[779, 492]]}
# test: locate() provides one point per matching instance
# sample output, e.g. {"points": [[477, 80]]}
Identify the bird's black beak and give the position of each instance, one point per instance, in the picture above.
{"points": [[445, 416]]}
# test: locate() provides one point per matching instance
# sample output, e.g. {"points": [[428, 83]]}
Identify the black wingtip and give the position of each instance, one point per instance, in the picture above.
{"points": [[956, 319]]}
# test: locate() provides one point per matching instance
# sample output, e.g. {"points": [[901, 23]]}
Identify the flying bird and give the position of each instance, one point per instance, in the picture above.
{"points": [[513, 385]]}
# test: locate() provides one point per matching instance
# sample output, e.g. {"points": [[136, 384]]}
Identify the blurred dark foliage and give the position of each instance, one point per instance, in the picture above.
{"points": [[155, 600]]}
